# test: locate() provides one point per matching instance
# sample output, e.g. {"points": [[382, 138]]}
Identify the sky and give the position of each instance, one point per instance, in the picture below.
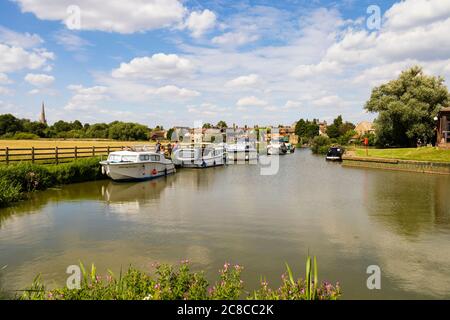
{"points": [[175, 62]]}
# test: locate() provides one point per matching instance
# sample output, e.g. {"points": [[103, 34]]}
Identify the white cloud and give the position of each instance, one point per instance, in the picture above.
{"points": [[86, 98], [16, 58], [413, 13], [71, 41], [305, 72], [250, 101], [208, 110], [173, 92], [5, 91], [158, 66], [200, 22], [4, 79], [112, 16], [39, 80], [234, 39], [16, 39], [329, 101], [244, 81]]}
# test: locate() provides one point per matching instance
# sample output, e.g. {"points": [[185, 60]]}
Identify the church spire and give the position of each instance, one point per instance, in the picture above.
{"points": [[43, 119]]}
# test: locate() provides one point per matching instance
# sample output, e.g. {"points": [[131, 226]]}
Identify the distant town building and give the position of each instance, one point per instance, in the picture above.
{"points": [[443, 128], [42, 118], [323, 128], [364, 128]]}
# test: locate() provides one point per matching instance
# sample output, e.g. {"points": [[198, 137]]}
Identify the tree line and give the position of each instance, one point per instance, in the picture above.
{"points": [[15, 128]]}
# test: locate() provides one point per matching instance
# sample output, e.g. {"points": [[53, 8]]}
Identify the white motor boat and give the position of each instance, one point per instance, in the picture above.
{"points": [[241, 152], [280, 147], [136, 165], [199, 156]]}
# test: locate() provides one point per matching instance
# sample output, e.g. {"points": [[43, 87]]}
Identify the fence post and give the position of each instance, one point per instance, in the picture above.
{"points": [[32, 154], [76, 152], [93, 151], [7, 155], [56, 155], [107, 150]]}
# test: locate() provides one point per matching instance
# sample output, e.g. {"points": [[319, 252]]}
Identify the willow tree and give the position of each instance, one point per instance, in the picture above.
{"points": [[406, 108]]}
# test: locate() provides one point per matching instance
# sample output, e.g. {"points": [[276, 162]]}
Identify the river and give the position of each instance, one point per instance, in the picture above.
{"points": [[349, 218]]}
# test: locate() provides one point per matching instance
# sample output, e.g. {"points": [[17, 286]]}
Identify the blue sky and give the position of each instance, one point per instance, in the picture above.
{"points": [[174, 62]]}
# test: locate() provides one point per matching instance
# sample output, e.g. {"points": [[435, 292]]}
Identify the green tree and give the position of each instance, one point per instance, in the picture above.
{"points": [[406, 107], [222, 125], [207, 126], [10, 124]]}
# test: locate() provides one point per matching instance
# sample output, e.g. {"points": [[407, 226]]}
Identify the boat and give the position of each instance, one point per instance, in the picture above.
{"points": [[280, 146], [241, 151], [335, 154], [135, 165], [199, 156]]}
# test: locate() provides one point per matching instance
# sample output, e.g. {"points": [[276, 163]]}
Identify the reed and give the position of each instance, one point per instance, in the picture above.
{"points": [[180, 283]]}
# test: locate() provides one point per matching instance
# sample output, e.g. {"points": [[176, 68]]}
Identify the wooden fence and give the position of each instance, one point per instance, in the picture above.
{"points": [[53, 155]]}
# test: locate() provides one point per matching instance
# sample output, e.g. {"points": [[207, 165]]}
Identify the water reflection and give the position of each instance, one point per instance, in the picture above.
{"points": [[410, 204], [350, 218]]}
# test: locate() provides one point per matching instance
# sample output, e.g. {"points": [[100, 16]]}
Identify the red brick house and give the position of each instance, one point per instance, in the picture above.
{"points": [[443, 128]]}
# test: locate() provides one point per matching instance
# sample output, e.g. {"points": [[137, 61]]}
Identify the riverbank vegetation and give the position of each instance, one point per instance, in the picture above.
{"points": [[417, 154], [406, 108], [15, 128], [180, 283], [19, 179]]}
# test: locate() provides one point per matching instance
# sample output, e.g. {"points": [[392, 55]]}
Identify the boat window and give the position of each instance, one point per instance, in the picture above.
{"points": [[217, 152], [114, 158], [144, 157], [187, 154], [155, 158], [206, 152], [129, 158]]}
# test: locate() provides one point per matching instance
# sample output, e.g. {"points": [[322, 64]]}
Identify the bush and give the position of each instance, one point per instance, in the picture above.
{"points": [[9, 192], [27, 177], [25, 136], [320, 145], [180, 283]]}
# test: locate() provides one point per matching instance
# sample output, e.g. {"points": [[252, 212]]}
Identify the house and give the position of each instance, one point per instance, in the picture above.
{"points": [[443, 128], [364, 128], [158, 135], [323, 128]]}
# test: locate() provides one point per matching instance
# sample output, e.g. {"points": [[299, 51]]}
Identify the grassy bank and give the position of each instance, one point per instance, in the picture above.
{"points": [[19, 179], [179, 283], [417, 154]]}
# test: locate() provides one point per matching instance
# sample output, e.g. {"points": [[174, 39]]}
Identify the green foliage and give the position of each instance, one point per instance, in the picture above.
{"points": [[221, 125], [14, 128], [127, 131], [341, 131], [320, 145], [180, 283], [9, 192], [406, 108], [18, 179], [307, 130], [207, 126]]}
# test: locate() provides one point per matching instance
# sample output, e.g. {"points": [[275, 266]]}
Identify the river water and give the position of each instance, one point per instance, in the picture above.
{"points": [[350, 218]]}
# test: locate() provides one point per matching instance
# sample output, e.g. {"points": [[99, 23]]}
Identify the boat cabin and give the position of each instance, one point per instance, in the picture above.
{"points": [[443, 128]]}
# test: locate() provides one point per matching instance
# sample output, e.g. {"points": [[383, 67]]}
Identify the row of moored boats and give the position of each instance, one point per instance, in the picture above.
{"points": [[143, 163]]}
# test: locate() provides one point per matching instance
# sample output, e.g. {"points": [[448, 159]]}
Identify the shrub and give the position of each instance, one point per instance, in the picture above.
{"points": [[320, 145], [9, 192], [179, 283], [27, 177], [25, 136]]}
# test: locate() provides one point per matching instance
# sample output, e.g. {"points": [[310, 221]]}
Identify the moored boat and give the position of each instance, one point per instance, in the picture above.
{"points": [[136, 165], [199, 156], [335, 154], [241, 152]]}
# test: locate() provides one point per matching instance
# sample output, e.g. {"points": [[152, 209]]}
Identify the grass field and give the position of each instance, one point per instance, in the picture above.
{"points": [[84, 149], [418, 154], [41, 143]]}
